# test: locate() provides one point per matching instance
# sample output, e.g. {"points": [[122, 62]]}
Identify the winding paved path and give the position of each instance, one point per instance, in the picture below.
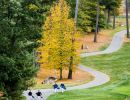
{"points": [[100, 78]]}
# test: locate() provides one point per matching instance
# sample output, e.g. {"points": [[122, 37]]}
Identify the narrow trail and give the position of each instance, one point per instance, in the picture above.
{"points": [[99, 77], [115, 45]]}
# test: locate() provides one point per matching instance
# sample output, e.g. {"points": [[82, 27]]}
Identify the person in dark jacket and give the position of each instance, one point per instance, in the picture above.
{"points": [[56, 87], [30, 94], [63, 88], [39, 95]]}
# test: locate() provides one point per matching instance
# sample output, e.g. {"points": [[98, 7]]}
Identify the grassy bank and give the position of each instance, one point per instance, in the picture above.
{"points": [[117, 66]]}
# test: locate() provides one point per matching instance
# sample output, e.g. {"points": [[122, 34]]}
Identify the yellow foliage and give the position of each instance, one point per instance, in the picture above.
{"points": [[59, 31]]}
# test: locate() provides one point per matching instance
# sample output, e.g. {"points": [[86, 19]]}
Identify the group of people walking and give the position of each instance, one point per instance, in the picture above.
{"points": [[57, 88], [39, 95]]}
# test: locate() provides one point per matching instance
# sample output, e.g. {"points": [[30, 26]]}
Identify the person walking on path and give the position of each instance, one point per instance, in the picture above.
{"points": [[30, 95], [63, 88], [39, 95], [56, 87]]}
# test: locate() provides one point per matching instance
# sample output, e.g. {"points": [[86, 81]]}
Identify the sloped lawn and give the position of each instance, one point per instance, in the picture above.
{"points": [[117, 66]]}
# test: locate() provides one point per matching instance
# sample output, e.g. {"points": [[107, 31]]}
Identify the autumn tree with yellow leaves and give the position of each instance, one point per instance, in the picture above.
{"points": [[58, 35]]}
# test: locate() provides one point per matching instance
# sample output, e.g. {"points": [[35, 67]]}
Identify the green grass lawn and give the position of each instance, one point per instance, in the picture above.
{"points": [[117, 66], [117, 29], [104, 47], [23, 98]]}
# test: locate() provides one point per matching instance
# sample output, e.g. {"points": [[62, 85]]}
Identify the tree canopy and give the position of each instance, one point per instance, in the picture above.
{"points": [[20, 28], [57, 41]]}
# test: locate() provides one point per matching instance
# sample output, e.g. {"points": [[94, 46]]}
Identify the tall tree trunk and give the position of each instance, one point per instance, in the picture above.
{"points": [[71, 59], [72, 49], [127, 21], [108, 18], [76, 11], [70, 68], [61, 73], [61, 40], [114, 20], [97, 21]]}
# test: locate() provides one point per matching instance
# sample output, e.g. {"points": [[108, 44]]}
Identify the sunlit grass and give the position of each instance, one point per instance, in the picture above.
{"points": [[117, 66]]}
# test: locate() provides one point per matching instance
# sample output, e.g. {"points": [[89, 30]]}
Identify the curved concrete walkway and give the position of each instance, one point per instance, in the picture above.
{"points": [[100, 78], [115, 45]]}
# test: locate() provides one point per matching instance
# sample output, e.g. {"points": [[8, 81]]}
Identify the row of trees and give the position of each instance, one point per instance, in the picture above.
{"points": [[110, 6], [95, 14], [87, 15], [88, 11], [59, 50], [20, 28], [107, 8]]}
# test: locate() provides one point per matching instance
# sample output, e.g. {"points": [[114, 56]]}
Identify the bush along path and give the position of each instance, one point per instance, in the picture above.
{"points": [[99, 77]]}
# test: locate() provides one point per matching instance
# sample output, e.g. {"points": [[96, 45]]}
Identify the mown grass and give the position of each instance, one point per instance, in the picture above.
{"points": [[117, 29], [117, 66], [23, 98], [104, 47]]}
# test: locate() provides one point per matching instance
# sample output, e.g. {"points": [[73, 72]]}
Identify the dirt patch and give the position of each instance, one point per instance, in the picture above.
{"points": [[87, 44], [126, 39], [79, 76]]}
